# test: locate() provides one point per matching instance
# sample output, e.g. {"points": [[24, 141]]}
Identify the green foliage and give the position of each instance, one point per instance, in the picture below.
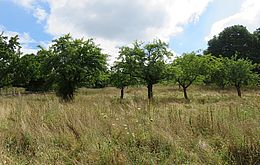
{"points": [[101, 80], [71, 62], [29, 73], [255, 57], [146, 62], [215, 71], [239, 72], [230, 71], [9, 55], [235, 40], [119, 78], [153, 65], [186, 69]]}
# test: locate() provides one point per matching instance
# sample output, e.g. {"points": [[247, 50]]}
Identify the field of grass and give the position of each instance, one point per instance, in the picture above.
{"points": [[214, 127]]}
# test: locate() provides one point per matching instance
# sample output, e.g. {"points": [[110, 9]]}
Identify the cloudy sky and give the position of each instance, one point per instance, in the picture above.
{"points": [[185, 24]]}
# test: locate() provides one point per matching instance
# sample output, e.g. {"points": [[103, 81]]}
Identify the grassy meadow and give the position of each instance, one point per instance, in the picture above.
{"points": [[214, 127]]}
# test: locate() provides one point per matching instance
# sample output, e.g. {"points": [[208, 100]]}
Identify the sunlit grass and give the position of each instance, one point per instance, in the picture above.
{"points": [[214, 127]]}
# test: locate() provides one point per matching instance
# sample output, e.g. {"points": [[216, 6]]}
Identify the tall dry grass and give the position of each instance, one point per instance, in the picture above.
{"points": [[214, 127]]}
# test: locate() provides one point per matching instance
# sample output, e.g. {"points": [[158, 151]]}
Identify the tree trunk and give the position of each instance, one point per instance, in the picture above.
{"points": [[238, 90], [122, 93], [185, 93], [150, 91], [179, 86]]}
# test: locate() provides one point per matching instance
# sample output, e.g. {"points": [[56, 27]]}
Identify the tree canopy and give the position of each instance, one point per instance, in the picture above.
{"points": [[239, 72], [235, 40], [186, 69], [121, 78], [9, 56], [72, 62], [146, 62]]}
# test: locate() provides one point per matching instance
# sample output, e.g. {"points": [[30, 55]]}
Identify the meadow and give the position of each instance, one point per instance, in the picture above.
{"points": [[214, 127]]}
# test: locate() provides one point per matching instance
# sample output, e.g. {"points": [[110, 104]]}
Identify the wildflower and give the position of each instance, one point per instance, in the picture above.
{"points": [[139, 108], [113, 124], [117, 119]]}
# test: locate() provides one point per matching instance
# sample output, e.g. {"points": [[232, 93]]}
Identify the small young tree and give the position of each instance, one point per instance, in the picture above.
{"points": [[186, 69], [239, 72], [146, 62], [120, 79], [71, 62]]}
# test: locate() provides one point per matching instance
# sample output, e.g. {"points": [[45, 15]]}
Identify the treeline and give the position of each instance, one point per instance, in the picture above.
{"points": [[232, 58]]}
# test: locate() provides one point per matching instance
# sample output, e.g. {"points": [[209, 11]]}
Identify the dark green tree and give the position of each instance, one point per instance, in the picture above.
{"points": [[9, 56], [233, 40], [256, 47], [72, 62], [101, 80], [29, 73]]}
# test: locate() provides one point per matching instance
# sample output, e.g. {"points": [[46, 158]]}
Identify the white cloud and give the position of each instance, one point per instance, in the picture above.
{"points": [[117, 22], [34, 6], [40, 14], [249, 16], [123, 20], [25, 3], [113, 23]]}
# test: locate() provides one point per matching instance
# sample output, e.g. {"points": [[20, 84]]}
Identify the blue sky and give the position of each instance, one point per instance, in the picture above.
{"points": [[17, 18], [185, 24], [193, 36]]}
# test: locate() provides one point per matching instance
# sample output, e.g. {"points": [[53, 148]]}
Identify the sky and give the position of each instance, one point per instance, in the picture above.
{"points": [[186, 25]]}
